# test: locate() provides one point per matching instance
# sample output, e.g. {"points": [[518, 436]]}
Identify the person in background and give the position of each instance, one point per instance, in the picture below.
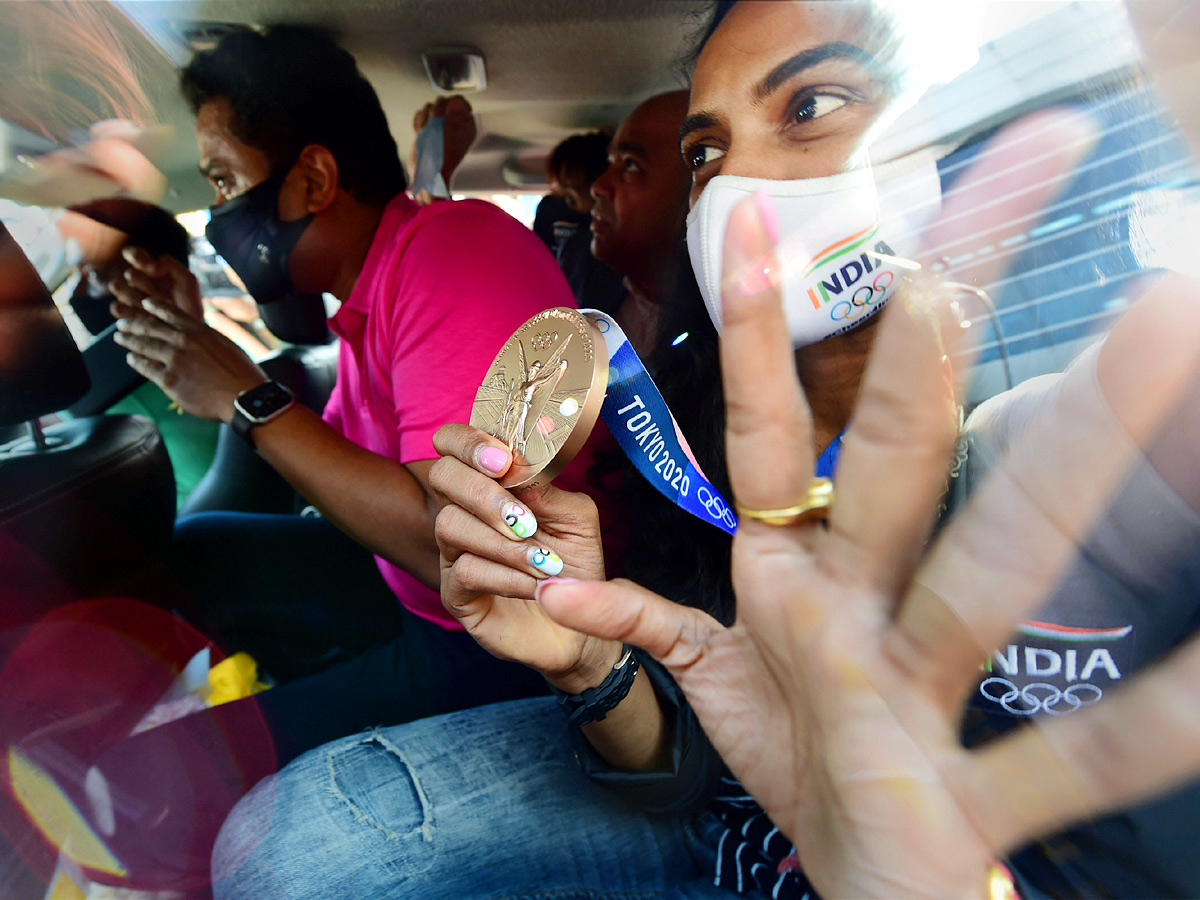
{"points": [[314, 174], [640, 201], [563, 215]]}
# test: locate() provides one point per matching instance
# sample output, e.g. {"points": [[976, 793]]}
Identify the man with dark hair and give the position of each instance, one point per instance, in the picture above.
{"points": [[309, 197], [574, 164], [639, 212], [563, 215], [292, 86]]}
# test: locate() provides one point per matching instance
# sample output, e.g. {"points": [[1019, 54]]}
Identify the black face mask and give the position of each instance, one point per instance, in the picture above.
{"points": [[249, 234]]}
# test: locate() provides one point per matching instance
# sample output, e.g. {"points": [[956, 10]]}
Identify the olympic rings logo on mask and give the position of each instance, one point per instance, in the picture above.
{"points": [[714, 506], [864, 297], [1055, 702]]}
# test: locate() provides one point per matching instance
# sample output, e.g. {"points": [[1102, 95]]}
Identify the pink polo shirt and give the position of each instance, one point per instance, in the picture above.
{"points": [[443, 287]]}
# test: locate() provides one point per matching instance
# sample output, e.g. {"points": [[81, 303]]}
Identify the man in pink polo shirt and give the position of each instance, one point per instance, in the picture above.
{"points": [[310, 197]]}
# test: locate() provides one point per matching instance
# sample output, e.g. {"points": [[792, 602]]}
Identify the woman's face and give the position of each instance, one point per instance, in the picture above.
{"points": [[782, 90]]}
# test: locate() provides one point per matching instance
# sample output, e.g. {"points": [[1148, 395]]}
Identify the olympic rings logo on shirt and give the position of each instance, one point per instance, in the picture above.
{"points": [[715, 507], [1052, 703], [864, 297]]}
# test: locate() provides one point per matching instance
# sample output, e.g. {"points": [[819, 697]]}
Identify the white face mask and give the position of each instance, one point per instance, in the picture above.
{"points": [[839, 240]]}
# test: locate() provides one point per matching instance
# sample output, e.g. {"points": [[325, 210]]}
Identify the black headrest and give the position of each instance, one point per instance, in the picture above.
{"points": [[41, 369]]}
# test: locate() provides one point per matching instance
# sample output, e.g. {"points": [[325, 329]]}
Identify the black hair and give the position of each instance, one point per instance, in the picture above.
{"points": [[716, 14], [672, 552], [581, 157], [147, 226], [290, 86], [884, 27]]}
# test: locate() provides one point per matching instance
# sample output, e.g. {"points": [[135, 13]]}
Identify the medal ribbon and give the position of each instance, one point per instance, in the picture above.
{"points": [[638, 417], [639, 420]]}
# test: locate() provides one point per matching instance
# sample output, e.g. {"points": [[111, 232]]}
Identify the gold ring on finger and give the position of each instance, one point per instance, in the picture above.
{"points": [[813, 508]]}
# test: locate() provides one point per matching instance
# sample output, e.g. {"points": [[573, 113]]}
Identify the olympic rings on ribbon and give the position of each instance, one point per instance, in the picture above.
{"points": [[715, 507]]}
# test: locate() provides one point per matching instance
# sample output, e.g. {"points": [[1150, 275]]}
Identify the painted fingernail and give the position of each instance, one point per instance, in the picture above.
{"points": [[493, 459], [766, 214], [546, 561], [541, 585], [519, 519]]}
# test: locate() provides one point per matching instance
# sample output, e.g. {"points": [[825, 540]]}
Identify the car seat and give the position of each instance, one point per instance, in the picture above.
{"points": [[86, 505]]}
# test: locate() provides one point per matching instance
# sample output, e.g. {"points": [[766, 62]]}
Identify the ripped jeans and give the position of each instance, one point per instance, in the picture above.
{"points": [[485, 804]]}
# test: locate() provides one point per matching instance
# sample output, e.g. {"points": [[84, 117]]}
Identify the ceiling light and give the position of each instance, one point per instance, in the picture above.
{"points": [[455, 70]]}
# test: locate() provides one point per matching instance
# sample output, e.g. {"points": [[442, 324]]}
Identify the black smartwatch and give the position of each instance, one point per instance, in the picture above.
{"points": [[257, 406]]}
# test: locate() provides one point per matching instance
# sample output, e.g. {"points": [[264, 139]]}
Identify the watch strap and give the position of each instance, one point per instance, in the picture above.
{"points": [[595, 703]]}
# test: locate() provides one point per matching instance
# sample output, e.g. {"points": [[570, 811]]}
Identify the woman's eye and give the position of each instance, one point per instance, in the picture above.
{"points": [[815, 106], [701, 155]]}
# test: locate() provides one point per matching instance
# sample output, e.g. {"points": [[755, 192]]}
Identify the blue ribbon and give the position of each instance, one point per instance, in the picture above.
{"points": [[827, 461], [639, 420]]}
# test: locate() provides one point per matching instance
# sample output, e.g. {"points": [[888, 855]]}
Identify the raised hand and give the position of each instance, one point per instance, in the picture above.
{"points": [[165, 280], [836, 695], [197, 367]]}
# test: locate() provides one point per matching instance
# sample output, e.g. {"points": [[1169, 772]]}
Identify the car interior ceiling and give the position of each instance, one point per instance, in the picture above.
{"points": [[547, 76]]}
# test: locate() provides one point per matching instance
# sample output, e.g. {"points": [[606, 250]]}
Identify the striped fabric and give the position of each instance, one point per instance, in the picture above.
{"points": [[753, 856]]}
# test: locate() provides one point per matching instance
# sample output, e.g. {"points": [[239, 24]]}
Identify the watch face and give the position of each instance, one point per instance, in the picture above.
{"points": [[261, 402]]}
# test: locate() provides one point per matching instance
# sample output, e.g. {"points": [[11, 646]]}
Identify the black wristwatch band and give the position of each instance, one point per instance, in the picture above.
{"points": [[596, 703], [257, 406]]}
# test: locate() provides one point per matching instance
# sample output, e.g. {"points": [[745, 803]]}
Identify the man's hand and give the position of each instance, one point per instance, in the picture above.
{"points": [[165, 280], [458, 130], [198, 368]]}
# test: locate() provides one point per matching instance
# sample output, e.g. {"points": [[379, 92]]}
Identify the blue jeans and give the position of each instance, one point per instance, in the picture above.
{"points": [[485, 804]]}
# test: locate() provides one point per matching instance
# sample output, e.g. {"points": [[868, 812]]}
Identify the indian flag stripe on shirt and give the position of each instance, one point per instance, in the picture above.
{"points": [[1070, 633]]}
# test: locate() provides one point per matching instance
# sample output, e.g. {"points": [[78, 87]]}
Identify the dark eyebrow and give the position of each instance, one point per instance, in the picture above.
{"points": [[806, 60], [206, 169], [695, 123]]}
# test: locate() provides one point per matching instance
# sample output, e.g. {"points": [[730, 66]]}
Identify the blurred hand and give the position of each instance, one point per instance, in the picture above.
{"points": [[496, 546], [836, 695]]}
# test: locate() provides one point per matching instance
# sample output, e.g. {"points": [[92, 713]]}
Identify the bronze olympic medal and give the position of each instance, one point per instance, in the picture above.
{"points": [[543, 394]]}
